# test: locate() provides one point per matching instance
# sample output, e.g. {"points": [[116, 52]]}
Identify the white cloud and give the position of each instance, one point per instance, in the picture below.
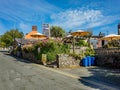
{"points": [[82, 19], [24, 10]]}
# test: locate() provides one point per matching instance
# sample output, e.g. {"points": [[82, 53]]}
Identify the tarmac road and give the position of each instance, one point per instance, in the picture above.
{"points": [[19, 74]]}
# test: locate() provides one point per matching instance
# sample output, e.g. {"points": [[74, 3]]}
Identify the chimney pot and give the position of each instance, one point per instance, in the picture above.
{"points": [[34, 28]]}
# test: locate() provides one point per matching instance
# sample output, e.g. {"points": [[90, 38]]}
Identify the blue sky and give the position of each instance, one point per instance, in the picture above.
{"points": [[97, 15]]}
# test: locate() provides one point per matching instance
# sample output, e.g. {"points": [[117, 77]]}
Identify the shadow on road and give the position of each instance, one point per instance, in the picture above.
{"points": [[20, 59], [3, 51], [101, 78]]}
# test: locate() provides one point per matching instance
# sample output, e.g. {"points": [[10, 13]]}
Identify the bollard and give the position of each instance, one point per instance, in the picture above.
{"points": [[44, 59]]}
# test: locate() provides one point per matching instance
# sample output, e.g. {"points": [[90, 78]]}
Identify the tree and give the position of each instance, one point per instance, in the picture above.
{"points": [[57, 31], [10, 36]]}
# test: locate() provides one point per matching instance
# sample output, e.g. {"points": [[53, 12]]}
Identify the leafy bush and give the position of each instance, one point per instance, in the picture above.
{"points": [[81, 43], [76, 56], [106, 46], [111, 44], [89, 52], [51, 48], [2, 44], [29, 49]]}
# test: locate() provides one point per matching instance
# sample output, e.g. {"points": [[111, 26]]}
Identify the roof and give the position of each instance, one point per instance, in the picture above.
{"points": [[28, 36], [25, 41]]}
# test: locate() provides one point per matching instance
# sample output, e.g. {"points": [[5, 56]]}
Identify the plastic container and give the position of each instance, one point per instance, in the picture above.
{"points": [[89, 60], [92, 60], [85, 62]]}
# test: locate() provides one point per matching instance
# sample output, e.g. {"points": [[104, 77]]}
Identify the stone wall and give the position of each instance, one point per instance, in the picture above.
{"points": [[30, 57], [66, 61], [108, 57], [78, 49]]}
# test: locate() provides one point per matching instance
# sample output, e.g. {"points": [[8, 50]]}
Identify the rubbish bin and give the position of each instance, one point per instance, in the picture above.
{"points": [[89, 60], [92, 60], [85, 62]]}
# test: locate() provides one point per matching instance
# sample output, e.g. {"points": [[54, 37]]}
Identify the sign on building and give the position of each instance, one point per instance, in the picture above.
{"points": [[46, 29]]}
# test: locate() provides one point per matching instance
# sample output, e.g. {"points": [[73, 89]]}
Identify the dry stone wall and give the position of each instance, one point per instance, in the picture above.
{"points": [[108, 57], [66, 61]]}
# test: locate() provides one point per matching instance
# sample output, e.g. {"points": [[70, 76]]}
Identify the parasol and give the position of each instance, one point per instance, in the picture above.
{"points": [[111, 37], [79, 33]]}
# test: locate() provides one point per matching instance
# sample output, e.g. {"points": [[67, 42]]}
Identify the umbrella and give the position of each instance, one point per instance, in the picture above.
{"points": [[80, 33], [38, 35], [68, 36], [111, 37], [67, 39]]}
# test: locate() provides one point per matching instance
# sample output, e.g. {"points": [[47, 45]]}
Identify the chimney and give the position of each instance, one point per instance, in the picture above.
{"points": [[34, 28]]}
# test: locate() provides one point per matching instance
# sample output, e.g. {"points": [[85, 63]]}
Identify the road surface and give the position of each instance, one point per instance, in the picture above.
{"points": [[19, 74]]}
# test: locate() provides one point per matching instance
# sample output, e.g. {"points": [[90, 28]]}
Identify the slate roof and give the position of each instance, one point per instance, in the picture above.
{"points": [[25, 41]]}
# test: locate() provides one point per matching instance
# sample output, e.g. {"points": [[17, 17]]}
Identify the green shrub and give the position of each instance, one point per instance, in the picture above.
{"points": [[51, 48], [76, 56], [28, 49], [89, 52], [51, 56], [106, 46], [111, 44], [81, 43]]}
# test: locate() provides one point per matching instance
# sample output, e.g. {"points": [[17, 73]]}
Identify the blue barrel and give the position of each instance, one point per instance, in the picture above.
{"points": [[85, 62], [89, 60], [92, 61]]}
